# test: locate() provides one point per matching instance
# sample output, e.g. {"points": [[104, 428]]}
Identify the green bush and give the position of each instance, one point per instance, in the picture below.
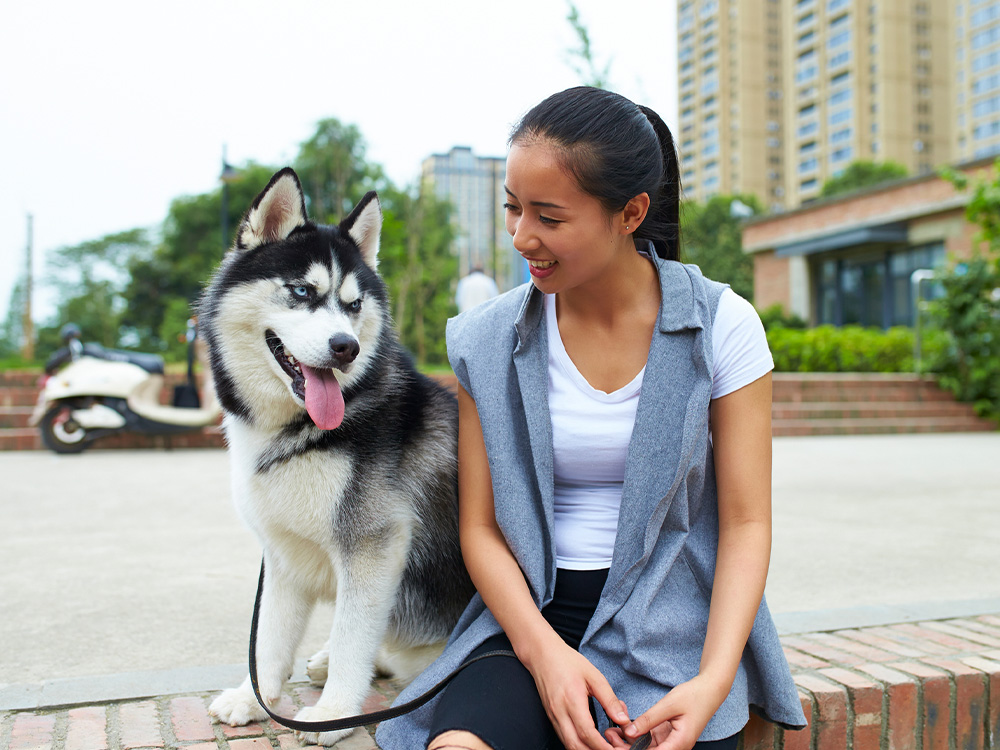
{"points": [[850, 349], [970, 312], [775, 316]]}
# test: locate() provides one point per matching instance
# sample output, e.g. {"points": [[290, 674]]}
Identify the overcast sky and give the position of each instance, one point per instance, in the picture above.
{"points": [[108, 110]]}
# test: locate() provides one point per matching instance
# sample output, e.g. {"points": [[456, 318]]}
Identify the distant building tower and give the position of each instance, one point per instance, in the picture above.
{"points": [[474, 185], [777, 96], [976, 60]]}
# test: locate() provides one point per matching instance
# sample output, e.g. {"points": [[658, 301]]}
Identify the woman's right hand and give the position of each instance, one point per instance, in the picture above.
{"points": [[566, 680]]}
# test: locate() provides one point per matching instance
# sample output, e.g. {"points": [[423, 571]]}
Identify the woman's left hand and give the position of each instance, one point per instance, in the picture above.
{"points": [[676, 721]]}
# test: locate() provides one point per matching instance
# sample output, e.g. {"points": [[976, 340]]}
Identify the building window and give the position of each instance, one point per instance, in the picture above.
{"points": [[807, 129], [841, 58], [841, 154], [841, 116], [844, 95], [810, 184]]}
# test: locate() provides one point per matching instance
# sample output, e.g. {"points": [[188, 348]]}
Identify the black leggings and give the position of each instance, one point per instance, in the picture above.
{"points": [[496, 699]]}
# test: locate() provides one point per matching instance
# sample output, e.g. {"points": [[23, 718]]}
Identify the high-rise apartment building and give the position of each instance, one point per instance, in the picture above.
{"points": [[976, 61], [474, 185], [730, 71], [880, 80]]}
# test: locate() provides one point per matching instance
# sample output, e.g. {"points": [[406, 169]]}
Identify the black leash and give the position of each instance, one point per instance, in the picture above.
{"points": [[375, 717], [348, 722]]}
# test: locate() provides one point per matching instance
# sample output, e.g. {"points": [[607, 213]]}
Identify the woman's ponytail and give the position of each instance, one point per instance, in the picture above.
{"points": [[662, 225]]}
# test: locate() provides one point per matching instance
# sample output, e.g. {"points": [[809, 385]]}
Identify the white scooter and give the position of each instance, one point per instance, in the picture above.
{"points": [[103, 392]]}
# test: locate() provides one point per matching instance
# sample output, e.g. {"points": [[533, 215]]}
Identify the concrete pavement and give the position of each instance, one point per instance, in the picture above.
{"points": [[128, 574]]}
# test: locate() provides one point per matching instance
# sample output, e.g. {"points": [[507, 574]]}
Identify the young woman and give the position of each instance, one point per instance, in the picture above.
{"points": [[614, 467]]}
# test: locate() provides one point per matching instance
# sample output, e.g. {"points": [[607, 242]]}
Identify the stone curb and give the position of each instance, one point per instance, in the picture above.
{"points": [[924, 685]]}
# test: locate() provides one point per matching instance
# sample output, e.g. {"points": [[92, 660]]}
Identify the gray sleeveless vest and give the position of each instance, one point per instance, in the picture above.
{"points": [[649, 628]]}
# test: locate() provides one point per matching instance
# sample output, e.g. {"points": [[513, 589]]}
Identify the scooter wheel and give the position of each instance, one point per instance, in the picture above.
{"points": [[60, 433]]}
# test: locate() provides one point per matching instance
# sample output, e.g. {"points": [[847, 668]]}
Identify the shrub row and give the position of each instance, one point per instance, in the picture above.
{"points": [[852, 349]]}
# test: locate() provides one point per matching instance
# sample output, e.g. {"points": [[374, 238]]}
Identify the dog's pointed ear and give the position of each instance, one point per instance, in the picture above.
{"points": [[279, 209], [364, 226]]}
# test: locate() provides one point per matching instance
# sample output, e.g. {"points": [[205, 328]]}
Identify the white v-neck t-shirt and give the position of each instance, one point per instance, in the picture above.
{"points": [[591, 429]]}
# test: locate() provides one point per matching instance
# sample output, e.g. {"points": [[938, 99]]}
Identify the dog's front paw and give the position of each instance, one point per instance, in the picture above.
{"points": [[318, 667], [345, 739], [236, 708]]}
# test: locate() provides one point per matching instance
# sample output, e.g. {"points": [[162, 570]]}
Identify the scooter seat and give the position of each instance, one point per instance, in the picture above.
{"points": [[151, 363]]}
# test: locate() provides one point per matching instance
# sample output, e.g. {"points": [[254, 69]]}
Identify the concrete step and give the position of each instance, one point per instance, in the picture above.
{"points": [[19, 378], [14, 417], [28, 438], [18, 395], [869, 410], [826, 387], [887, 426]]}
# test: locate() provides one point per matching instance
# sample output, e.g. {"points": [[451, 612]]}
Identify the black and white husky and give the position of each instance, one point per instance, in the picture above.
{"points": [[343, 456]]}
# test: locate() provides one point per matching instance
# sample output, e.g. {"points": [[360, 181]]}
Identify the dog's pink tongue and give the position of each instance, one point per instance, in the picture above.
{"points": [[324, 401]]}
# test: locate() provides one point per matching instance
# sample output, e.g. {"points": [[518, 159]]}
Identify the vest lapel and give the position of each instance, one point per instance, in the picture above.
{"points": [[671, 419], [531, 358]]}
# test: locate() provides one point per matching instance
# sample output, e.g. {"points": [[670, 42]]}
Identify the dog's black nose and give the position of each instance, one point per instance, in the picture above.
{"points": [[344, 348]]}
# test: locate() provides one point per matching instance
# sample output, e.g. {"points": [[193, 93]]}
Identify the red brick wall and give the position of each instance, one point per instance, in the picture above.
{"points": [[770, 281]]}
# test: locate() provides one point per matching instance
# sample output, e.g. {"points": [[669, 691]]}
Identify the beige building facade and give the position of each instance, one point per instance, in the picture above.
{"points": [[474, 185], [778, 96], [850, 259]]}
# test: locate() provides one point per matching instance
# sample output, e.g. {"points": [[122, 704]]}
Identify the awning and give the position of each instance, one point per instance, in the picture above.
{"points": [[884, 234]]}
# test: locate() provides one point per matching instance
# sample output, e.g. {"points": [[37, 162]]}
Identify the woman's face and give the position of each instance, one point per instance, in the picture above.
{"points": [[564, 234]]}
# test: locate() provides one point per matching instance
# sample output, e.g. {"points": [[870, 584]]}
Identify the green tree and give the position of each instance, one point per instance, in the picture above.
{"points": [[332, 169], [12, 332], [711, 238], [90, 281], [862, 173], [418, 266], [969, 310], [175, 271], [582, 58]]}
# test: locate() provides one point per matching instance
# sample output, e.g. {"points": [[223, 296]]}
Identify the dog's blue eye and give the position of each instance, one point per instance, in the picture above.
{"points": [[356, 305], [302, 292]]}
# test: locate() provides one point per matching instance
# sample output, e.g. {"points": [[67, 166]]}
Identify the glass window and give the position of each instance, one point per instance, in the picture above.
{"points": [[844, 95], [841, 58], [841, 37], [841, 154], [901, 266], [841, 116]]}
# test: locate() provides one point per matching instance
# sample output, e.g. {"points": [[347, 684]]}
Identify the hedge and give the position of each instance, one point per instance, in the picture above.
{"points": [[851, 349]]}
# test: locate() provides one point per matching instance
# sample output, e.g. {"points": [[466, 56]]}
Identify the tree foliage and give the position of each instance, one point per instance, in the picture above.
{"points": [[418, 266], [860, 174], [129, 290], [333, 172], [711, 238], [582, 58], [191, 247], [969, 310]]}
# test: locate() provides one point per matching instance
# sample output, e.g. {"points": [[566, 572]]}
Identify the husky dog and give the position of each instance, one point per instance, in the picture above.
{"points": [[343, 456]]}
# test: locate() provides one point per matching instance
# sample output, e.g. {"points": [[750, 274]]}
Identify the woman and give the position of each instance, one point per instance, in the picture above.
{"points": [[619, 546]]}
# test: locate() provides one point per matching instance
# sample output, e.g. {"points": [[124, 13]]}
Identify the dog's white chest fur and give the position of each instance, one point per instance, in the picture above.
{"points": [[290, 506]]}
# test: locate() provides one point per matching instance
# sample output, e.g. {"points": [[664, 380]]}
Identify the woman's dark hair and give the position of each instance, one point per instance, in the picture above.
{"points": [[615, 149]]}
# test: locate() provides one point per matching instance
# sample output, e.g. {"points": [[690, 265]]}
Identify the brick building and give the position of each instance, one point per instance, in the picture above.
{"points": [[849, 259]]}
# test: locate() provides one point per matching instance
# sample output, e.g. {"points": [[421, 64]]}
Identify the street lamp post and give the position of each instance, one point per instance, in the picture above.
{"points": [[229, 174]]}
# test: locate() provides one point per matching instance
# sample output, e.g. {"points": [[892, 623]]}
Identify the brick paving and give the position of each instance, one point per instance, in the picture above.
{"points": [[931, 685]]}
